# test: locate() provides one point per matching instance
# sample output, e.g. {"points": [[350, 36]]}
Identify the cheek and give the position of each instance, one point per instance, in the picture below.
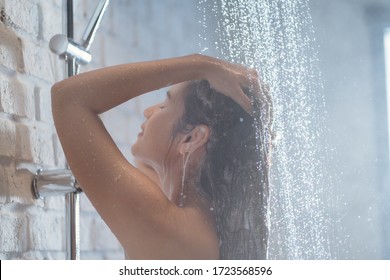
{"points": [[155, 141], [157, 137], [160, 126]]}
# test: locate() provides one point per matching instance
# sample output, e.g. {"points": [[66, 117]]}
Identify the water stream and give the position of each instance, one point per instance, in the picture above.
{"points": [[277, 38]]}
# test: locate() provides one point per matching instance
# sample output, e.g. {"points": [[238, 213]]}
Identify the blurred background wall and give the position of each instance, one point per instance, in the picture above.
{"points": [[350, 35]]}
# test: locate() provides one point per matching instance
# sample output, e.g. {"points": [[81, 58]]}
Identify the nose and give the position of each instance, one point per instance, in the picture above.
{"points": [[148, 112]]}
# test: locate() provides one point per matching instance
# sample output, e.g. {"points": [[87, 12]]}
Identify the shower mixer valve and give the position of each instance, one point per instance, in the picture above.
{"points": [[58, 182]]}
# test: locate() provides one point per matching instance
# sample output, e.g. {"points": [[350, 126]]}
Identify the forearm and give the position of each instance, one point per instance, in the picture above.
{"points": [[100, 90]]}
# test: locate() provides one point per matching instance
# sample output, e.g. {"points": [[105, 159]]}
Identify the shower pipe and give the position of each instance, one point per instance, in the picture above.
{"points": [[60, 182]]}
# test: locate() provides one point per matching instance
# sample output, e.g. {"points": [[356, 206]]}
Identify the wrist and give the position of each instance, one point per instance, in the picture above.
{"points": [[203, 65]]}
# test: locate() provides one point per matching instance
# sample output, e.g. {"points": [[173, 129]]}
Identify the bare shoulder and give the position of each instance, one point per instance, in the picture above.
{"points": [[199, 233], [183, 233]]}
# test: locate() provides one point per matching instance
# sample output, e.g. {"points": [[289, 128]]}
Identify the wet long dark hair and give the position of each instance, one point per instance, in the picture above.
{"points": [[234, 176]]}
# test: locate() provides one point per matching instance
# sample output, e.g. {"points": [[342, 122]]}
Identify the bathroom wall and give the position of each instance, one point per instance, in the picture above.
{"points": [[350, 38], [131, 30]]}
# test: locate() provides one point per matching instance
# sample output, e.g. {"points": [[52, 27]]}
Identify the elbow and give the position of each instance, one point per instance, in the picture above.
{"points": [[55, 91], [55, 88], [62, 94], [60, 101], [55, 103], [66, 92], [55, 98]]}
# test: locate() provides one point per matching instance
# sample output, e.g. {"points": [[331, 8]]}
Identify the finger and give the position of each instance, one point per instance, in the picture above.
{"points": [[259, 90], [244, 101], [255, 83]]}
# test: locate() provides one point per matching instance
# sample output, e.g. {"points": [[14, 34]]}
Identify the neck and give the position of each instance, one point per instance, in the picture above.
{"points": [[179, 183]]}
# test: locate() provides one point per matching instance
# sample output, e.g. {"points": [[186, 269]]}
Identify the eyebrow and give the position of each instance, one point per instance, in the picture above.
{"points": [[169, 94]]}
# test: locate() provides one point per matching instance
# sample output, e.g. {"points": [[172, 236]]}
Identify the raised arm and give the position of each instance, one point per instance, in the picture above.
{"points": [[103, 89]]}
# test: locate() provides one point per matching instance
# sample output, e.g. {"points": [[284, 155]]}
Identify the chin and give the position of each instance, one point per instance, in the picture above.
{"points": [[137, 154], [134, 150]]}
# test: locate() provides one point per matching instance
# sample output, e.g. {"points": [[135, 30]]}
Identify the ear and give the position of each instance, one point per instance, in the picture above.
{"points": [[195, 139]]}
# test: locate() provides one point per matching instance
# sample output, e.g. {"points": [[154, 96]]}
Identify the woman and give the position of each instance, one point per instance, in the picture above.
{"points": [[202, 189]]}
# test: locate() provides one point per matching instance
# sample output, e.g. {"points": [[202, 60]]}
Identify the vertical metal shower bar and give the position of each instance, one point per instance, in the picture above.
{"points": [[58, 182], [73, 222], [72, 199]]}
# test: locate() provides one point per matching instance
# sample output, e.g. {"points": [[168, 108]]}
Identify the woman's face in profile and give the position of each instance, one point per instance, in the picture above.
{"points": [[153, 142]]}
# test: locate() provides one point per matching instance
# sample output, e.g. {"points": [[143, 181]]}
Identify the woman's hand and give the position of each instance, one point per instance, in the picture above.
{"points": [[230, 79]]}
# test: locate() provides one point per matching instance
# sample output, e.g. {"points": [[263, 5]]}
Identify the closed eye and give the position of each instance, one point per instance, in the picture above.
{"points": [[163, 104]]}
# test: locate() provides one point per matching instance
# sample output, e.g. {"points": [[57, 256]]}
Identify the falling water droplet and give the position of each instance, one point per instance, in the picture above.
{"points": [[277, 37]]}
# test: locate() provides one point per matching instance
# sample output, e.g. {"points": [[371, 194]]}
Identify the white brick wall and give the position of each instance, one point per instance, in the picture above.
{"points": [[131, 30]]}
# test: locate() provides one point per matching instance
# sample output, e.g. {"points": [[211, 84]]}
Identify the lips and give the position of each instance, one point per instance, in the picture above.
{"points": [[142, 130]]}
